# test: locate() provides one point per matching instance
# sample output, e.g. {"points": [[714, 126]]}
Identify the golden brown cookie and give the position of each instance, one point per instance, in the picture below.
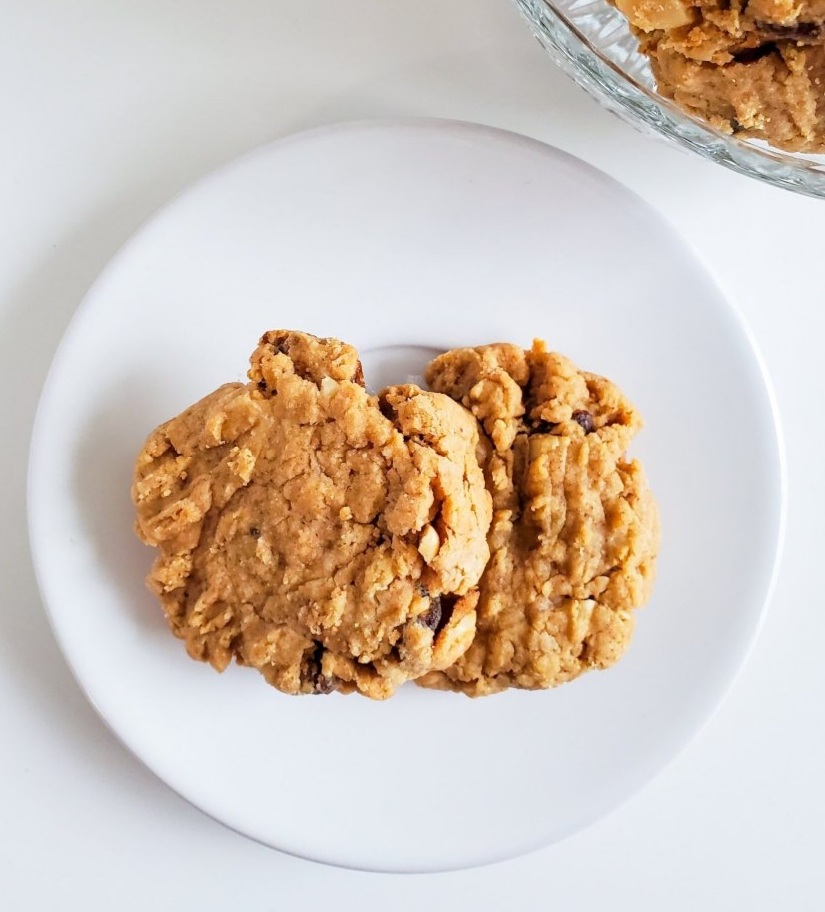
{"points": [[575, 528], [329, 538], [751, 68], [772, 92]]}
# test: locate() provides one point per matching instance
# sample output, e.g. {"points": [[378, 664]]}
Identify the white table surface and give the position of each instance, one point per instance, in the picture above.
{"points": [[107, 110]]}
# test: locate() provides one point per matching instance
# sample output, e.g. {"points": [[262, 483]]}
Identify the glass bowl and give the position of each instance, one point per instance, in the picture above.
{"points": [[592, 43]]}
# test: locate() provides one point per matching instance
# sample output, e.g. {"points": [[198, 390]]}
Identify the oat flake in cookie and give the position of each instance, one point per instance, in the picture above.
{"points": [[327, 537], [575, 528]]}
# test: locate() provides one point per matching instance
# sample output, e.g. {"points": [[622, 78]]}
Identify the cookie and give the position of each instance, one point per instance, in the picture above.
{"points": [[330, 538], [753, 69], [772, 92], [575, 528]]}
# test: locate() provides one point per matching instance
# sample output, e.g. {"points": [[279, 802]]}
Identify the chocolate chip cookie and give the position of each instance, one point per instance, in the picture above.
{"points": [[327, 537], [751, 68], [575, 528]]}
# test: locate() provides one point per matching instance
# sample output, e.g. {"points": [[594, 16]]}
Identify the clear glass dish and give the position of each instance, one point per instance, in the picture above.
{"points": [[592, 43]]}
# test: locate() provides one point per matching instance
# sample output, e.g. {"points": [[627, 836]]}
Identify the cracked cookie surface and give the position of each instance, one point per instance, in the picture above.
{"points": [[575, 528], [327, 537]]}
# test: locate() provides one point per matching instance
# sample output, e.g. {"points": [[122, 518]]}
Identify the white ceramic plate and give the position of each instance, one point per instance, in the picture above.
{"points": [[406, 238]]}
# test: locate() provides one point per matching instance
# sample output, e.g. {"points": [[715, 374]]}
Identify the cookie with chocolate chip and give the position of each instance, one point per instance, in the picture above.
{"points": [[575, 529], [754, 69], [330, 538]]}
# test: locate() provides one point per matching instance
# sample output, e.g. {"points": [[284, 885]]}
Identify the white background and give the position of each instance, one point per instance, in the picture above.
{"points": [[107, 110]]}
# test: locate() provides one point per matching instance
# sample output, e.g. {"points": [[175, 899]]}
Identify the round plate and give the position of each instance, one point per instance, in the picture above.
{"points": [[405, 238]]}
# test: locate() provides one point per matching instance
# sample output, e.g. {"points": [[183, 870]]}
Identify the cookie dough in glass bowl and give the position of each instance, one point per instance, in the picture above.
{"points": [[592, 41]]}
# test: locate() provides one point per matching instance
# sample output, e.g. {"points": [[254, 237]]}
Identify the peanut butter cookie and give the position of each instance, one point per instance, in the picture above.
{"points": [[754, 68], [575, 529], [327, 537]]}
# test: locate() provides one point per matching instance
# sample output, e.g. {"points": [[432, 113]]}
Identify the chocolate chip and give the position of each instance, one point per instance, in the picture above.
{"points": [[254, 531], [751, 55], [585, 420], [797, 32], [281, 346], [262, 384], [543, 427], [439, 613], [432, 616], [312, 674], [359, 375], [324, 685]]}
